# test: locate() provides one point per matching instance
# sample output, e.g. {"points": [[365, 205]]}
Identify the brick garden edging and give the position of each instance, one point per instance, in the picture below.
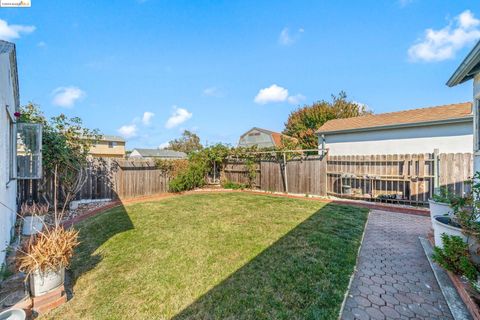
{"points": [[355, 203]]}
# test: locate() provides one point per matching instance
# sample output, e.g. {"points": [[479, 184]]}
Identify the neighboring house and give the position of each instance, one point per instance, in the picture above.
{"points": [[108, 147], [156, 154], [9, 104], [447, 128], [467, 70], [263, 138]]}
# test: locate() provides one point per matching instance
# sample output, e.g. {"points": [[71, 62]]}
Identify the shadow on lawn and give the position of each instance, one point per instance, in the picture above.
{"points": [[303, 275], [93, 234]]}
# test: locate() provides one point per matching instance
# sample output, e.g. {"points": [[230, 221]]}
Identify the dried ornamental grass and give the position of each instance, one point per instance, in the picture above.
{"points": [[33, 209], [48, 250]]}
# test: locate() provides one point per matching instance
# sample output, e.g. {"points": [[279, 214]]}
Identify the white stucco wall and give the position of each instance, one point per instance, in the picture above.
{"points": [[447, 138], [8, 189]]}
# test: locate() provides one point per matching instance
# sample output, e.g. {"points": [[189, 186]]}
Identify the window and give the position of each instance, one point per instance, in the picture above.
{"points": [[112, 144], [29, 150]]}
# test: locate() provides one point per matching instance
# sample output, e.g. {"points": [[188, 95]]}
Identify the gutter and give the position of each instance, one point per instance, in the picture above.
{"points": [[400, 125], [462, 73]]}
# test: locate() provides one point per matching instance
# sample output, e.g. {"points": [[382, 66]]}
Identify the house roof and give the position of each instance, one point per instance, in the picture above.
{"points": [[9, 48], [276, 136], [469, 67], [161, 153], [407, 118]]}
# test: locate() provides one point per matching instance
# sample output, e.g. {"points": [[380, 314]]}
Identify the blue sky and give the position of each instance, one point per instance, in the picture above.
{"points": [[149, 69]]}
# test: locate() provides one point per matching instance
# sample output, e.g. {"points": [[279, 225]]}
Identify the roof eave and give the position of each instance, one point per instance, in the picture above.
{"points": [[463, 72], [401, 125]]}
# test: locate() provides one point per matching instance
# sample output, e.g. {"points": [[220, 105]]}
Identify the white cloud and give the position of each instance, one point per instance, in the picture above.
{"points": [[128, 130], [286, 39], [296, 99], [213, 92], [179, 116], [67, 96], [164, 145], [147, 117], [442, 44], [13, 31], [275, 93]]}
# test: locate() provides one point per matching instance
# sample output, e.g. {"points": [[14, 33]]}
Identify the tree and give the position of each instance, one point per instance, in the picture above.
{"points": [[65, 147], [305, 121], [188, 142]]}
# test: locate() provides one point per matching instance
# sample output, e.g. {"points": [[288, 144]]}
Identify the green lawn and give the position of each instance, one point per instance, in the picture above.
{"points": [[215, 256]]}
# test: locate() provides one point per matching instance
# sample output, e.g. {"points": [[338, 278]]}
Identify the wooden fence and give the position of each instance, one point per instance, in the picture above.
{"points": [[105, 179], [409, 178], [303, 175]]}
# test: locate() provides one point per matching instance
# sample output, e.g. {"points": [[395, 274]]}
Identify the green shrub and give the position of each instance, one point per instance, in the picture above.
{"points": [[233, 185], [193, 177], [455, 257]]}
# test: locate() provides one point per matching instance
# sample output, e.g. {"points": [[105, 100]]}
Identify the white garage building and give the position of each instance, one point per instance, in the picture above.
{"points": [[448, 128]]}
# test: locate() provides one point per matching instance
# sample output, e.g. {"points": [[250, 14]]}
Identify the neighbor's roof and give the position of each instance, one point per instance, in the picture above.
{"points": [[276, 136], [107, 137], [432, 115], [469, 67], [163, 153]]}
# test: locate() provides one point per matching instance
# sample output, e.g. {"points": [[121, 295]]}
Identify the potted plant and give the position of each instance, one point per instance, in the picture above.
{"points": [[45, 256], [33, 217], [440, 204]]}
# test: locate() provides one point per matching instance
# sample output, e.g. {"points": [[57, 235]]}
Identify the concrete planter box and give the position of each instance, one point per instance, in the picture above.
{"points": [[44, 282], [439, 209], [32, 225]]}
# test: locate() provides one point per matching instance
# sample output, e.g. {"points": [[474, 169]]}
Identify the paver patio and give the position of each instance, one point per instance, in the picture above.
{"points": [[394, 279]]}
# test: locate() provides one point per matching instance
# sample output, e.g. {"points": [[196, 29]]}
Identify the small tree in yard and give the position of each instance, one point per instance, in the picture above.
{"points": [[305, 121], [188, 142], [65, 148]]}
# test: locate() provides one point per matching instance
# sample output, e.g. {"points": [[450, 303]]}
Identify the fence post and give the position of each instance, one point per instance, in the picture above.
{"points": [[436, 173], [285, 171]]}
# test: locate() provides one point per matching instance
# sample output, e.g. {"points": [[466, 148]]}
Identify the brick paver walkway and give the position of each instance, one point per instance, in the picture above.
{"points": [[394, 279]]}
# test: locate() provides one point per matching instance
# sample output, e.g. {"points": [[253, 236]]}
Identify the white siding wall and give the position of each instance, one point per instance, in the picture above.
{"points": [[476, 106], [447, 138], [8, 189]]}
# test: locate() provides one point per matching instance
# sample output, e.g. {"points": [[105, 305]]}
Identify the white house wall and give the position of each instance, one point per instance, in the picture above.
{"points": [[476, 106], [8, 189], [447, 138]]}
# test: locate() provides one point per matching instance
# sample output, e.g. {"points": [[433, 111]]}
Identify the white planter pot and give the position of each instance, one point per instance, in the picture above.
{"points": [[13, 314], [32, 225], [43, 282], [439, 209], [441, 226]]}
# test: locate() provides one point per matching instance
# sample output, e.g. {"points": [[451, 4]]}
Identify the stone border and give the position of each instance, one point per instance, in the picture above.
{"points": [[457, 307], [352, 276]]}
